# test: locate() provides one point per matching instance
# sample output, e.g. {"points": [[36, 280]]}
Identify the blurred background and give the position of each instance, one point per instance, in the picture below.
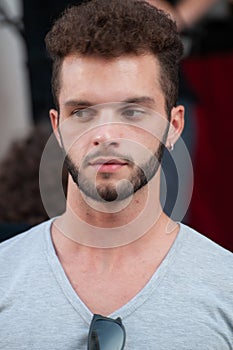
{"points": [[206, 91]]}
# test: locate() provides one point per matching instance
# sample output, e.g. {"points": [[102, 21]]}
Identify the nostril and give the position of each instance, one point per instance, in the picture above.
{"points": [[97, 140], [105, 140], [106, 143], [114, 143]]}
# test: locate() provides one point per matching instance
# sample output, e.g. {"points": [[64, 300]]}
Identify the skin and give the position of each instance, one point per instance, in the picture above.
{"points": [[111, 271]]}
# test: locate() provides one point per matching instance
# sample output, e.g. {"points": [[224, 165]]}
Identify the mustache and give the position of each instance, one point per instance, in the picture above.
{"points": [[110, 154]]}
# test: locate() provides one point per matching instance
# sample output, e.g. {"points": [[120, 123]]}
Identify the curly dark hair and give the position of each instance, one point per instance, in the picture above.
{"points": [[20, 199], [112, 28]]}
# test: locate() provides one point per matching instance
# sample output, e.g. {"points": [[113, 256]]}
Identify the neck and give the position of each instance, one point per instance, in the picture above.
{"points": [[136, 215], [116, 213], [154, 244], [111, 224]]}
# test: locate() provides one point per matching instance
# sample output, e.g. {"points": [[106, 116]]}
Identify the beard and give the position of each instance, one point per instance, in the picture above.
{"points": [[140, 176]]}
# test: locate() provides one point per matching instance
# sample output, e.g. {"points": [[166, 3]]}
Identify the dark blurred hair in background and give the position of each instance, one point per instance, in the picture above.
{"points": [[21, 205]]}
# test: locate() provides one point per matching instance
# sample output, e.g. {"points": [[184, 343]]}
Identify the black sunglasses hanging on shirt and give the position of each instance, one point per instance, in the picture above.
{"points": [[106, 334]]}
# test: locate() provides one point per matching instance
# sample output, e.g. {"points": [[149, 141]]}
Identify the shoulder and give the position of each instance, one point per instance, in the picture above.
{"points": [[202, 243], [203, 271], [23, 259], [204, 257], [16, 249]]}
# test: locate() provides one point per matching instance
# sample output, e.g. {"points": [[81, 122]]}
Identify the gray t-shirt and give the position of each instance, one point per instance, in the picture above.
{"points": [[186, 305]]}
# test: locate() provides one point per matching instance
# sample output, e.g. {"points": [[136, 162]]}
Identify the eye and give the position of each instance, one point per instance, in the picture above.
{"points": [[84, 114], [133, 113]]}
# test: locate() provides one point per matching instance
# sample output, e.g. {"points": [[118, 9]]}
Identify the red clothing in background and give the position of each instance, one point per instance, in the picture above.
{"points": [[211, 207]]}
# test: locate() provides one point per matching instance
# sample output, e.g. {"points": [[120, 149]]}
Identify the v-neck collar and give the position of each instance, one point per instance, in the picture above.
{"points": [[130, 306]]}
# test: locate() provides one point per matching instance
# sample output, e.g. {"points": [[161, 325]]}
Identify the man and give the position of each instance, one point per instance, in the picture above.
{"points": [[151, 283]]}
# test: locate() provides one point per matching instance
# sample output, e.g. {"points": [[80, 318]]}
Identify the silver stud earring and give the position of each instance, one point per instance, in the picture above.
{"points": [[171, 147]]}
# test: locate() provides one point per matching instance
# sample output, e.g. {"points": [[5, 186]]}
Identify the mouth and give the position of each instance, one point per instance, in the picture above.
{"points": [[108, 165]]}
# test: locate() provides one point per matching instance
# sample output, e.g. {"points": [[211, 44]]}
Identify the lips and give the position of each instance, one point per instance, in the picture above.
{"points": [[101, 161], [108, 165]]}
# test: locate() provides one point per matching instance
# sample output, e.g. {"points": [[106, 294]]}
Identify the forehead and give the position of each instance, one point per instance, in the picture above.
{"points": [[109, 80]]}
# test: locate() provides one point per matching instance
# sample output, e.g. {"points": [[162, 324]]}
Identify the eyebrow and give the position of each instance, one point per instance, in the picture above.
{"points": [[76, 103], [146, 100]]}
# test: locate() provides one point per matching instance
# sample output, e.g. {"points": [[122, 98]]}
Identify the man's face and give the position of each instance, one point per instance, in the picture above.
{"points": [[112, 123]]}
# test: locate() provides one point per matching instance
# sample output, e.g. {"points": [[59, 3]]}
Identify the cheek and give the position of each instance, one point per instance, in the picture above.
{"points": [[150, 133], [147, 139], [77, 149], [141, 146], [75, 138]]}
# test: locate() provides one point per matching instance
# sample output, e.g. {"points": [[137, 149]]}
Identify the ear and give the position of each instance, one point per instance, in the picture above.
{"points": [[176, 125], [54, 118]]}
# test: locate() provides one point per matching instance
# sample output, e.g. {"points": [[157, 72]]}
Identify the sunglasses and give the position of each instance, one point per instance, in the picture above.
{"points": [[106, 334]]}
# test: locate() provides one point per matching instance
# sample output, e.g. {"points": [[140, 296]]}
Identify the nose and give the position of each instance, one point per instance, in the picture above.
{"points": [[106, 135]]}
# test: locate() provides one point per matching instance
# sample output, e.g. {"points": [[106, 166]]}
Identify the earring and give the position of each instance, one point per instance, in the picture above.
{"points": [[171, 147]]}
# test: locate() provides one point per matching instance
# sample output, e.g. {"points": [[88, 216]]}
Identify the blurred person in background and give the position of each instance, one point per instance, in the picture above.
{"points": [[21, 206], [206, 27], [15, 117], [210, 72]]}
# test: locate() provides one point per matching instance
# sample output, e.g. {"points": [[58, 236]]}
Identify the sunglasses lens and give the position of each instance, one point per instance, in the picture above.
{"points": [[106, 335]]}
